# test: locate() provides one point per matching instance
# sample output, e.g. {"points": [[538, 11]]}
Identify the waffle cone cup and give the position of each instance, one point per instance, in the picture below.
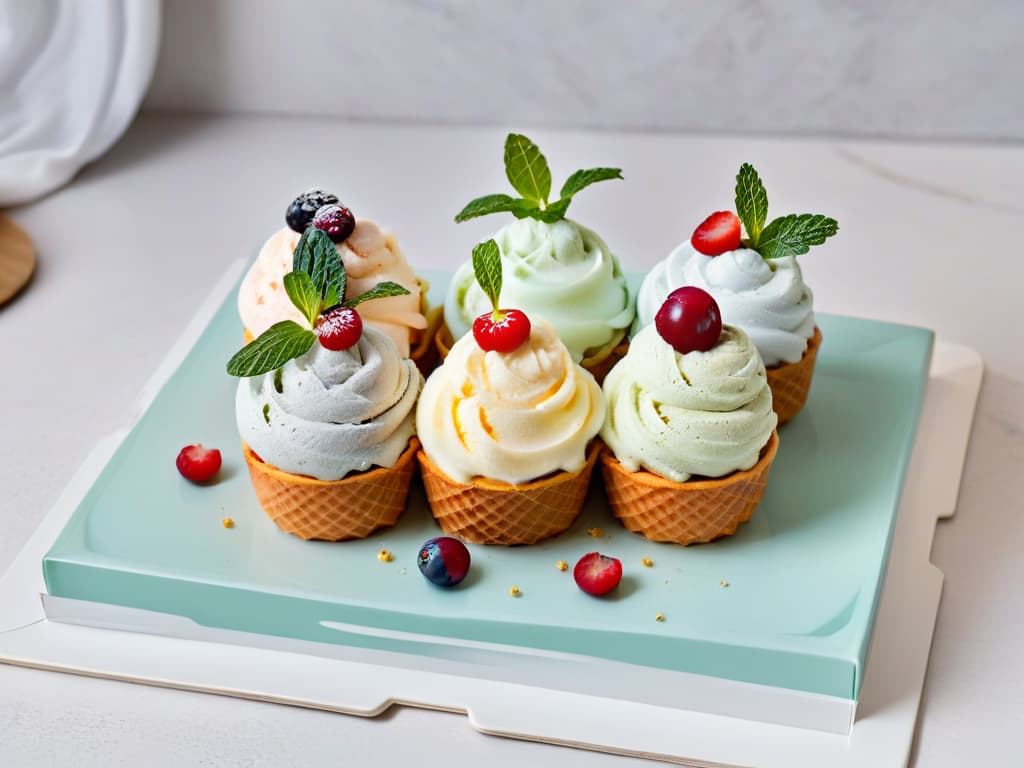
{"points": [[598, 365], [685, 513], [791, 383], [332, 510], [491, 512]]}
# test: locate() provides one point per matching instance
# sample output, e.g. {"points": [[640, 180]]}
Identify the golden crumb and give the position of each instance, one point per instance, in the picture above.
{"points": [[514, 591], [227, 522], [724, 583], [385, 556], [660, 617], [562, 565], [647, 562], [595, 532]]}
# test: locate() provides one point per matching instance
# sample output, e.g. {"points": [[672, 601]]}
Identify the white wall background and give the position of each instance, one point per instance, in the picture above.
{"points": [[905, 68]]}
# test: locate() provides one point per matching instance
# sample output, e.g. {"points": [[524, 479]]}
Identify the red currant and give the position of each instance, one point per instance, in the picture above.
{"points": [[505, 335], [197, 463], [336, 220], [339, 328], [689, 320], [597, 574]]}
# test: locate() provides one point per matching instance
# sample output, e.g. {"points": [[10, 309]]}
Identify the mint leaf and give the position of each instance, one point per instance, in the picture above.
{"points": [[487, 268], [379, 291], [527, 169], [585, 178], [553, 212], [482, 206], [304, 295], [795, 234], [316, 255], [273, 348], [751, 202]]}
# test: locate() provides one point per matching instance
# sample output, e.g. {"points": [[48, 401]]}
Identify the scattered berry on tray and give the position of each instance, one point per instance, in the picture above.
{"points": [[444, 561], [597, 574], [197, 463]]}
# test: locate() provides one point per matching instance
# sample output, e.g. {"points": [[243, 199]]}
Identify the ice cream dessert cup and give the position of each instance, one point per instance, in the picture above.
{"points": [[327, 415], [553, 268], [508, 434], [756, 281], [370, 256], [690, 435]]}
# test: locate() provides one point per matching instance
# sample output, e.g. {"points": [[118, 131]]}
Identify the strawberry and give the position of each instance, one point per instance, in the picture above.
{"points": [[597, 574], [718, 233], [197, 463]]}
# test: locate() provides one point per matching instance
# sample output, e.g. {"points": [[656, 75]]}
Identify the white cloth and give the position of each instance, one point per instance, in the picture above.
{"points": [[72, 75]]}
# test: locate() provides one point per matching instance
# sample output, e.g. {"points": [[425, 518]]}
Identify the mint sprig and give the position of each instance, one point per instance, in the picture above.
{"points": [[315, 286], [528, 173], [790, 235], [487, 269]]}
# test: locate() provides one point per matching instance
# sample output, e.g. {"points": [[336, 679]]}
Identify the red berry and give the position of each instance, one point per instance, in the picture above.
{"points": [[718, 233], [336, 220], [689, 320], [339, 328], [597, 574], [198, 464], [506, 335]]}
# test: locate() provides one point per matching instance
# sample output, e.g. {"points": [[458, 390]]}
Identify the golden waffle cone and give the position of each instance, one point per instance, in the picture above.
{"points": [[791, 383], [491, 512], [350, 508], [685, 513], [598, 365]]}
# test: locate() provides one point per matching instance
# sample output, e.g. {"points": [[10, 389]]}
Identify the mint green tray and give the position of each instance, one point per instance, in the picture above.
{"points": [[789, 601]]}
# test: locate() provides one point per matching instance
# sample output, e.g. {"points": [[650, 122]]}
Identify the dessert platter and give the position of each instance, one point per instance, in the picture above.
{"points": [[681, 505]]}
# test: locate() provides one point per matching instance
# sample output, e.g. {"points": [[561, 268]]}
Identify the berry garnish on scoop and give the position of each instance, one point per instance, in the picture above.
{"points": [[444, 561], [527, 170], [689, 320], [316, 286], [789, 235], [718, 233], [197, 463], [336, 220], [500, 330], [597, 574], [304, 207]]}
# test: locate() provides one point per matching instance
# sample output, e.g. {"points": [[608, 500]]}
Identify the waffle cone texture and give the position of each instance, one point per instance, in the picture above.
{"points": [[333, 510], [685, 513], [791, 383], [491, 512], [598, 365]]}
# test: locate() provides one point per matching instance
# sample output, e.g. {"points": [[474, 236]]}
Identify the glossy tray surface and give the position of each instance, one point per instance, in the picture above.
{"points": [[789, 601]]}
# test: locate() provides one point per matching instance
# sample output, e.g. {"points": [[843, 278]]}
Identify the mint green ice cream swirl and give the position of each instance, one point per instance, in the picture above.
{"points": [[699, 413], [561, 272]]}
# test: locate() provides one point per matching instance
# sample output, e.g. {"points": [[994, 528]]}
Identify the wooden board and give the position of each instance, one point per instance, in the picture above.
{"points": [[17, 259]]}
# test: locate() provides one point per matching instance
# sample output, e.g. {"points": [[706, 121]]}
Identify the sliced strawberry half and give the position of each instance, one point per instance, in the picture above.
{"points": [[197, 463], [597, 574], [718, 233]]}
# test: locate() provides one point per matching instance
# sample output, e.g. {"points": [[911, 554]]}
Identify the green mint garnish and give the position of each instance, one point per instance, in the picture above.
{"points": [[315, 285], [795, 234], [527, 170], [789, 235], [277, 345], [751, 203], [487, 268], [304, 295]]}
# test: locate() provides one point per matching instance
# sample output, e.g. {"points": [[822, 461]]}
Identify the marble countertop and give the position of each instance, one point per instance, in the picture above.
{"points": [[927, 237]]}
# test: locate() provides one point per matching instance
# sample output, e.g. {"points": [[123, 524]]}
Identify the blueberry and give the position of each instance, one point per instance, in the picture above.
{"points": [[444, 561], [304, 207], [336, 220]]}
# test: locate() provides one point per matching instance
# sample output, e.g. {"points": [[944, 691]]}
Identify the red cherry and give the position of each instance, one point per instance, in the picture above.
{"points": [[336, 220], [597, 574], [506, 335], [198, 464], [689, 320], [339, 328], [718, 233]]}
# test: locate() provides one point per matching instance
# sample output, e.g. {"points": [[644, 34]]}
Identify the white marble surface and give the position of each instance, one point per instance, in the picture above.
{"points": [[911, 68], [927, 237]]}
